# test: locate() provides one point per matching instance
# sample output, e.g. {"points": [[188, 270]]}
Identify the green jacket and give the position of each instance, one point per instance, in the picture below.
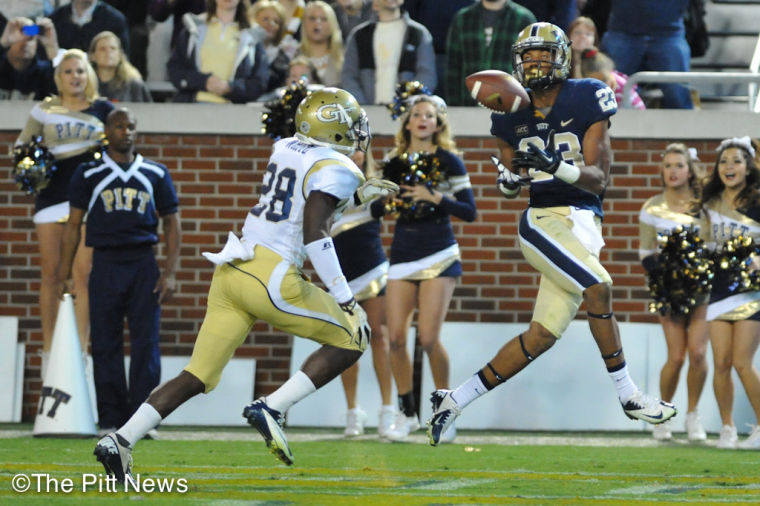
{"points": [[466, 51]]}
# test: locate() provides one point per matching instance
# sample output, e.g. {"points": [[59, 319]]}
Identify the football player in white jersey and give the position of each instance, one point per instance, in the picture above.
{"points": [[258, 277]]}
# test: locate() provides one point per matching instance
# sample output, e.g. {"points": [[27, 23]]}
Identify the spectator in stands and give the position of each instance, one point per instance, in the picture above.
{"points": [[351, 13], [598, 65], [70, 125], [556, 12], [24, 73], [387, 51], [598, 11], [30, 9], [160, 10], [436, 16], [81, 20], [322, 42], [118, 79], [294, 12], [582, 33], [685, 332], [299, 68], [270, 16], [481, 37], [136, 12], [649, 35], [219, 58]]}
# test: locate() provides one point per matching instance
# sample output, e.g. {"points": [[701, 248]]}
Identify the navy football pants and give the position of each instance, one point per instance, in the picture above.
{"points": [[121, 284]]}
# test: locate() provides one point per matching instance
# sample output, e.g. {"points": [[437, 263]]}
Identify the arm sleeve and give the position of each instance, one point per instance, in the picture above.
{"points": [[166, 200], [454, 65], [181, 68], [79, 195], [350, 73], [334, 179], [463, 207], [647, 235], [425, 69], [377, 208], [32, 128], [249, 87]]}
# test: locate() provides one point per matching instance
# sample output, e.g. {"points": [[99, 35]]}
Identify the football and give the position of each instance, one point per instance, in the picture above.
{"points": [[497, 91]]}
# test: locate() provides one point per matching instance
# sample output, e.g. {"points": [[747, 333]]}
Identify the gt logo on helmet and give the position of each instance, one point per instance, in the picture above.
{"points": [[334, 112]]}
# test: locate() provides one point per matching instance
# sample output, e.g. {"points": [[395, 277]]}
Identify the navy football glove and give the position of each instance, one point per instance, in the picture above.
{"points": [[545, 160]]}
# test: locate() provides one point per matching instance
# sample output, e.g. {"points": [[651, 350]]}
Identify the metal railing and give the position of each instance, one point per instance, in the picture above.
{"points": [[691, 78]]}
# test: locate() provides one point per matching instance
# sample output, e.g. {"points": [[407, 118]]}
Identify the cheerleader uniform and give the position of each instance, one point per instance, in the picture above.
{"points": [[356, 236], [70, 136], [423, 245], [726, 223], [657, 218]]}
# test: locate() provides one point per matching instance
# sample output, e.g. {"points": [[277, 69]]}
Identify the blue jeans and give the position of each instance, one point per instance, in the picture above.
{"points": [[632, 53]]}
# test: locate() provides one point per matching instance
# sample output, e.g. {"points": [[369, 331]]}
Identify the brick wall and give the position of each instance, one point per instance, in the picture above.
{"points": [[217, 178]]}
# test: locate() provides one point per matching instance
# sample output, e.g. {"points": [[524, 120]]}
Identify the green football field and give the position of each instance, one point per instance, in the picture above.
{"points": [[231, 466]]}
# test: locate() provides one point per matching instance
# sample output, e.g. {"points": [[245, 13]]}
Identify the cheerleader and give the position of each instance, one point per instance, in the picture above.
{"points": [[684, 333], [732, 199], [425, 260], [71, 126], [356, 236]]}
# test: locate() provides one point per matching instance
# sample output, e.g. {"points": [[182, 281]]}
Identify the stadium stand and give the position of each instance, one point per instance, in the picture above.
{"points": [[734, 44]]}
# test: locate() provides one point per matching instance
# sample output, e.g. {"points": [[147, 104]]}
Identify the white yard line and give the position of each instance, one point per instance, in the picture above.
{"points": [[507, 439]]}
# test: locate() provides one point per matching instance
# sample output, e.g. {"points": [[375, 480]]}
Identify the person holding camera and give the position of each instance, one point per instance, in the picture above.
{"points": [[24, 73]]}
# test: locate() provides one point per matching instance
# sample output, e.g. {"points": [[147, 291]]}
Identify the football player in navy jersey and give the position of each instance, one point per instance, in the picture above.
{"points": [[563, 144], [123, 195]]}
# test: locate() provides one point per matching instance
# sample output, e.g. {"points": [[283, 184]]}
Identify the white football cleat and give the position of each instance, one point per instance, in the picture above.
{"points": [[269, 423], [441, 425], [114, 453], [641, 406]]}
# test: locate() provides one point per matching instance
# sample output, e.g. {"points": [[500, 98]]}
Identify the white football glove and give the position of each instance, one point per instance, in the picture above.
{"points": [[508, 182], [374, 188], [358, 319]]}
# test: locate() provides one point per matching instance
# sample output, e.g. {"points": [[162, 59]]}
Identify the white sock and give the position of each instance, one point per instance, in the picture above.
{"points": [[292, 391], [469, 391], [145, 418], [623, 383]]}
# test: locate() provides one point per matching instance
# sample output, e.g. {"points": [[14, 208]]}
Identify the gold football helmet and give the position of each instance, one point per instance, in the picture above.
{"points": [[332, 117], [548, 37]]}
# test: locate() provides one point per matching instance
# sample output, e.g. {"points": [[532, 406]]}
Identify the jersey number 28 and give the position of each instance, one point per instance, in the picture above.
{"points": [[276, 194]]}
